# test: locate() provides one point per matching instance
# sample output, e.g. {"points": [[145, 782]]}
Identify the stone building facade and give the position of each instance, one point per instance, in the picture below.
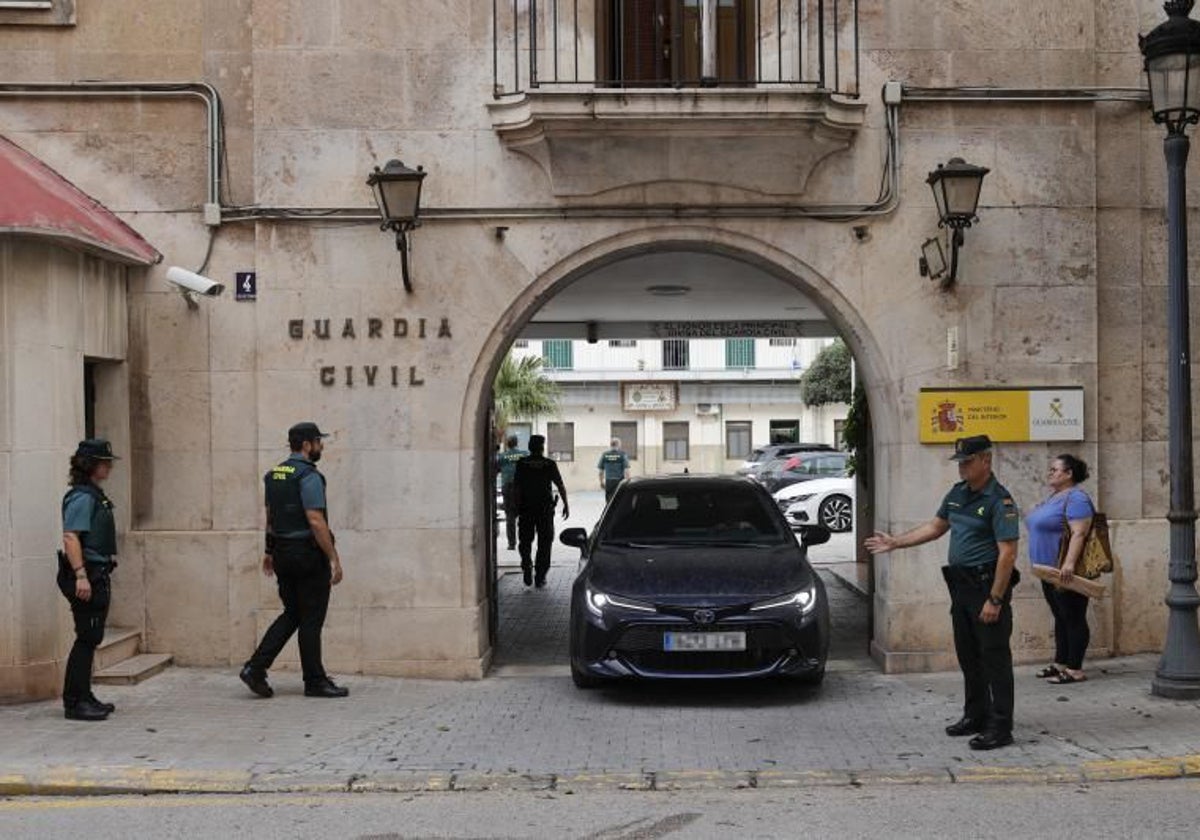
{"points": [[539, 177]]}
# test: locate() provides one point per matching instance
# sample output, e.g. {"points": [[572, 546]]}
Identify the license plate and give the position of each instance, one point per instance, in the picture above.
{"points": [[684, 642]]}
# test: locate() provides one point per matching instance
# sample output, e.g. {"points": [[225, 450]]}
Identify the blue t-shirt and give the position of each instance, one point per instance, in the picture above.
{"points": [[77, 517], [1046, 527]]}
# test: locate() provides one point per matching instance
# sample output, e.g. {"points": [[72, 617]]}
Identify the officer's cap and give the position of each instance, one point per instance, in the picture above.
{"points": [[97, 448], [305, 431], [966, 447]]}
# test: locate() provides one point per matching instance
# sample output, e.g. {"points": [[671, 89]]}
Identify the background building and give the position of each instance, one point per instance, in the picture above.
{"points": [[720, 399]]}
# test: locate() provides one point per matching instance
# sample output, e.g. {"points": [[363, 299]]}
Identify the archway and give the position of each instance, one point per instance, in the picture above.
{"points": [[566, 302]]}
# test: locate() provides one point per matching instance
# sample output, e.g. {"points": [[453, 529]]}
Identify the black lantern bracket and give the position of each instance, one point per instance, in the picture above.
{"points": [[956, 187], [397, 190]]}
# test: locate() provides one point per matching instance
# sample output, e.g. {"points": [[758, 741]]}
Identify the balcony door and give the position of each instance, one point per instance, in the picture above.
{"points": [[659, 43]]}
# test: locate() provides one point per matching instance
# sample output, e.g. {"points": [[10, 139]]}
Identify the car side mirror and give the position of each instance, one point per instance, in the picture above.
{"points": [[576, 538], [814, 534]]}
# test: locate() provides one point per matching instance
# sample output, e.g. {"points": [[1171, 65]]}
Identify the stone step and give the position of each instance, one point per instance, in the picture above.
{"points": [[133, 670], [119, 643]]}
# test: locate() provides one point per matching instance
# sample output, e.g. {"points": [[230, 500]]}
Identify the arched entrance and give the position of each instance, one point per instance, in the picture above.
{"points": [[730, 277]]}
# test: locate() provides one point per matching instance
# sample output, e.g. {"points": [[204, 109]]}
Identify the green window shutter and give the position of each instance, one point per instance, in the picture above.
{"points": [[739, 353], [557, 354]]}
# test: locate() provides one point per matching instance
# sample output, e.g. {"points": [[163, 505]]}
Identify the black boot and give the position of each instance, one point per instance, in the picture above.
{"points": [[108, 707], [327, 688], [84, 710], [256, 680], [966, 726]]}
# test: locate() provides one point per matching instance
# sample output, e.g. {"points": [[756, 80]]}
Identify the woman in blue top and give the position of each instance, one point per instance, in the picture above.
{"points": [[1067, 509]]}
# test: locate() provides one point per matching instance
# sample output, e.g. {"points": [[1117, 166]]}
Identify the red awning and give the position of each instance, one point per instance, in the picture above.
{"points": [[36, 201]]}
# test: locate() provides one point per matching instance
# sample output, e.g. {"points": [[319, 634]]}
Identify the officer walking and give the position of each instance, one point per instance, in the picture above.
{"points": [[300, 552], [532, 481], [506, 463], [982, 520], [613, 467], [84, 566]]}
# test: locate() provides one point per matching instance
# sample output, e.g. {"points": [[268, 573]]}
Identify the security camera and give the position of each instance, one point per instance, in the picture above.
{"points": [[190, 281]]}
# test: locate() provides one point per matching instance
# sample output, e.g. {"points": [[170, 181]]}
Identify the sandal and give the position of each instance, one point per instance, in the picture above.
{"points": [[1065, 678], [1047, 672]]}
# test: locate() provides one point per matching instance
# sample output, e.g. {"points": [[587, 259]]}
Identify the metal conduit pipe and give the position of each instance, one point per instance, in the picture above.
{"points": [[201, 90], [887, 202]]}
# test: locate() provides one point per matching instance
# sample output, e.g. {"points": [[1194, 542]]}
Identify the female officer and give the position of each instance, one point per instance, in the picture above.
{"points": [[89, 543]]}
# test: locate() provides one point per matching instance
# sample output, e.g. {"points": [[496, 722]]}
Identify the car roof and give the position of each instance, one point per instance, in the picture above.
{"points": [[649, 481]]}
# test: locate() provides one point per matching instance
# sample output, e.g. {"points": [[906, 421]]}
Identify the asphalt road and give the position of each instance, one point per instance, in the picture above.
{"points": [[1164, 809]]}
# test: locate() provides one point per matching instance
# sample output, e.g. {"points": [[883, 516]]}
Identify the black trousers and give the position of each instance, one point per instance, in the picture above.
{"points": [[610, 487], [89, 619], [983, 651], [303, 573], [537, 522], [510, 513], [1071, 631]]}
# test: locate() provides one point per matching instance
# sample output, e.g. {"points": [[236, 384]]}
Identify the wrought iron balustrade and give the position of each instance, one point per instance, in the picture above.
{"points": [[583, 44]]}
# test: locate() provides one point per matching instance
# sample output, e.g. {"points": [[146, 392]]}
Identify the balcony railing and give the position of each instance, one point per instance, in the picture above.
{"points": [[675, 44]]}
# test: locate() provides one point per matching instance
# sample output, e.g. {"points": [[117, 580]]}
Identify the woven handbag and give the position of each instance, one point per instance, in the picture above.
{"points": [[1097, 557]]}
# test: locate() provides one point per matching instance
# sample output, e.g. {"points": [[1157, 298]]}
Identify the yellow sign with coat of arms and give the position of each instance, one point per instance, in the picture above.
{"points": [[1003, 414]]}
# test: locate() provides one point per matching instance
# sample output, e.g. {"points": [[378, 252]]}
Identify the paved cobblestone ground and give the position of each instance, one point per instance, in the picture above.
{"points": [[859, 721]]}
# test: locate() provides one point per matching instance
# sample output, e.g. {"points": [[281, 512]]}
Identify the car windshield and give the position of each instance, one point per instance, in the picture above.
{"points": [[723, 513]]}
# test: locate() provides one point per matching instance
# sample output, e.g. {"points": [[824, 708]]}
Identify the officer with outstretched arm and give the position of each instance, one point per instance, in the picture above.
{"points": [[982, 520]]}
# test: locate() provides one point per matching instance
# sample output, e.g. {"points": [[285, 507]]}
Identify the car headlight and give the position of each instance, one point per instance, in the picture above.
{"points": [[804, 601], [597, 601], [804, 498]]}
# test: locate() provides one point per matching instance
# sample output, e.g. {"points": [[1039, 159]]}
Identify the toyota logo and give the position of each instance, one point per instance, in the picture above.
{"points": [[704, 616]]}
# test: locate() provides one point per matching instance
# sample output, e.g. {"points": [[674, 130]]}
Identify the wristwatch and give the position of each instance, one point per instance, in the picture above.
{"points": [[995, 602]]}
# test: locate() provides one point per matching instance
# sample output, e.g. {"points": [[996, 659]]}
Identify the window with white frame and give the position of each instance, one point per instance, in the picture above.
{"points": [[675, 441], [737, 439], [37, 12], [560, 441]]}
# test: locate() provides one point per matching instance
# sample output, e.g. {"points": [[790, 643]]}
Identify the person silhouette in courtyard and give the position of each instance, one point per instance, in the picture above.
{"points": [[534, 478]]}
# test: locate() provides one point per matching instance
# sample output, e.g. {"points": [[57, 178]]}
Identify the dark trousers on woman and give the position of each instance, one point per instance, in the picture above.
{"points": [[89, 619], [303, 573], [1071, 631], [984, 655]]}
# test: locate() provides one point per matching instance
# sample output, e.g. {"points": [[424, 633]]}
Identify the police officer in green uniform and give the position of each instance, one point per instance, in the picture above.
{"points": [[532, 481], [300, 553], [982, 520], [84, 566], [613, 467], [506, 463]]}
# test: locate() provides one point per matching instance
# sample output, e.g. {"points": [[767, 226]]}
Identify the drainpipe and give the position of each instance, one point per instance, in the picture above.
{"points": [[137, 90]]}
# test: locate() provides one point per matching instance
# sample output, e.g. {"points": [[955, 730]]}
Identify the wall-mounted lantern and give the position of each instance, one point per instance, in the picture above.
{"points": [[398, 193], [956, 186]]}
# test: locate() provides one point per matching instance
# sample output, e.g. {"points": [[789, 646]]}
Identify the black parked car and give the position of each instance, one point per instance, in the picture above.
{"points": [[803, 466], [696, 576], [769, 452]]}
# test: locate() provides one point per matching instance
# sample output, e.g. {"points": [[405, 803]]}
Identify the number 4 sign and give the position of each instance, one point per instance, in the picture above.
{"points": [[247, 285]]}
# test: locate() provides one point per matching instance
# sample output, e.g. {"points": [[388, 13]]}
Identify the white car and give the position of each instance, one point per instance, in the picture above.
{"points": [[824, 501]]}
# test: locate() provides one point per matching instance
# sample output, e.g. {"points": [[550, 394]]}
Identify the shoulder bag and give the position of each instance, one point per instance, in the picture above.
{"points": [[1097, 557]]}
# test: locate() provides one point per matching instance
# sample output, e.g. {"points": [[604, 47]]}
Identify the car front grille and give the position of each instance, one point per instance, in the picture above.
{"points": [[642, 647]]}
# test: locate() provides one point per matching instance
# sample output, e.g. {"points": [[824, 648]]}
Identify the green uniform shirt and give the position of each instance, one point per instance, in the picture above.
{"points": [[613, 463], [506, 462], [978, 520]]}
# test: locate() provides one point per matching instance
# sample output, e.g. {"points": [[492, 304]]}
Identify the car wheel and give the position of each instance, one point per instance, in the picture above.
{"points": [[582, 679], [812, 678], [836, 514]]}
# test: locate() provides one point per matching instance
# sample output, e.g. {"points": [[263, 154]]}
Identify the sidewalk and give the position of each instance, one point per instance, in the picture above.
{"points": [[200, 730]]}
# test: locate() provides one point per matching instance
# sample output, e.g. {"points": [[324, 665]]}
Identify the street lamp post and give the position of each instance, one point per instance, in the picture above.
{"points": [[956, 187], [1172, 54]]}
